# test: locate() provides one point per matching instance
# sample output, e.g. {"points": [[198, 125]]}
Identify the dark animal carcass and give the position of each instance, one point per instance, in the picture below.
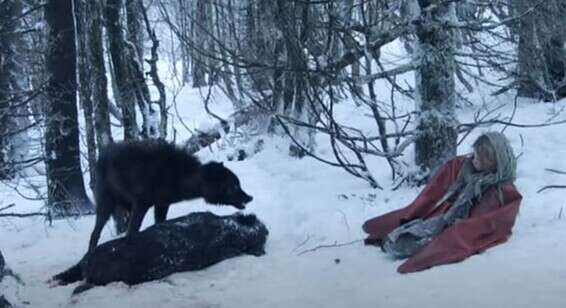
{"points": [[190, 242]]}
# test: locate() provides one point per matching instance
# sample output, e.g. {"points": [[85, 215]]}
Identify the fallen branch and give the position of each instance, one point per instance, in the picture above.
{"points": [[24, 215], [7, 207], [555, 171], [465, 126], [302, 243], [202, 139], [550, 186], [336, 244]]}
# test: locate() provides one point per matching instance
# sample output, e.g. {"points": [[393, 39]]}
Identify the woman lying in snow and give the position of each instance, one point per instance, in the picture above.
{"points": [[469, 206]]}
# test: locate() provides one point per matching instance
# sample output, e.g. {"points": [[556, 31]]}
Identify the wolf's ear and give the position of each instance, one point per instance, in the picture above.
{"points": [[213, 171]]}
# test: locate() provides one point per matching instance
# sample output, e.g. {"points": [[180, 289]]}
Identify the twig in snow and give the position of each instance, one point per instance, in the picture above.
{"points": [[336, 244], [403, 180], [23, 215], [512, 113], [555, 171], [345, 220], [7, 206], [309, 236], [550, 186]]}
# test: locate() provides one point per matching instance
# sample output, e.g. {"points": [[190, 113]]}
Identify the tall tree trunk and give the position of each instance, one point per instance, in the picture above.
{"points": [[530, 64], [292, 21], [346, 10], [18, 80], [135, 28], [85, 86], [541, 49], [161, 130], [98, 75], [259, 22], [199, 37], [66, 190], [212, 63], [36, 72], [225, 71], [182, 14], [436, 124], [7, 27], [126, 96], [13, 109]]}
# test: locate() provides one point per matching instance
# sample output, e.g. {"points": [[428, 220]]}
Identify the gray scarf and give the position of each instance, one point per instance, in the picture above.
{"points": [[409, 238]]}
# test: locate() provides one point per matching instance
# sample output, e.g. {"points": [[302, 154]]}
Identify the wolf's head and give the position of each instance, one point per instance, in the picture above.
{"points": [[222, 186]]}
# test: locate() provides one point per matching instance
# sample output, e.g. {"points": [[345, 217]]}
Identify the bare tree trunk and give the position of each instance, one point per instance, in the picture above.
{"points": [[162, 100], [346, 9], [221, 32], [21, 149], [85, 86], [213, 65], [98, 75], [35, 71], [66, 190], [259, 23], [183, 22], [13, 109], [7, 124], [541, 50], [126, 96], [295, 78], [134, 19], [199, 60], [436, 133], [530, 64]]}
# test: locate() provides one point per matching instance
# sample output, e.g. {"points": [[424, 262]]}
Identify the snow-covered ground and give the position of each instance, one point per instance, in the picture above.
{"points": [[305, 204]]}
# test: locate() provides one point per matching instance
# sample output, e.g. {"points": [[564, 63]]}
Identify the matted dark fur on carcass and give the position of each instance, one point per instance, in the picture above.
{"points": [[190, 242]]}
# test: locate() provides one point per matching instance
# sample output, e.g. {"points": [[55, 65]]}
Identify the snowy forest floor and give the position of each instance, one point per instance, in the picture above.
{"points": [[305, 204]]}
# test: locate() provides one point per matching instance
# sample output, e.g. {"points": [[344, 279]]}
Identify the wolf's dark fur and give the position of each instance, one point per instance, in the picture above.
{"points": [[190, 242], [135, 176]]}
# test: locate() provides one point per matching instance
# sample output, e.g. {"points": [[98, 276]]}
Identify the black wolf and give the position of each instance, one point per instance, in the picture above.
{"points": [[137, 175]]}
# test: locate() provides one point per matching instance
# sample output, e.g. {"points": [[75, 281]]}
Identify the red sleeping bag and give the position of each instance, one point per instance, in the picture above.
{"points": [[489, 224]]}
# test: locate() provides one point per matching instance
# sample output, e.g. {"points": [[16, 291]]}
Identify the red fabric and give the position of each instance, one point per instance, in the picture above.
{"points": [[490, 222]]}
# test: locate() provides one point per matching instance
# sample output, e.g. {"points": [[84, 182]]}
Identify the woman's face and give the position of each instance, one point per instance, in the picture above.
{"points": [[481, 162]]}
